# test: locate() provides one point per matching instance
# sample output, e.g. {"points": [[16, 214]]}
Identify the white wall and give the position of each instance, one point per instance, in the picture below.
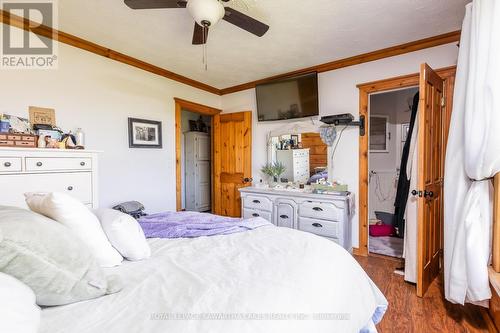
{"points": [[98, 95], [338, 94]]}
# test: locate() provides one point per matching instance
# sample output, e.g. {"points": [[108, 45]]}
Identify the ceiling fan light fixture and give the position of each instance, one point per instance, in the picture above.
{"points": [[206, 12]]}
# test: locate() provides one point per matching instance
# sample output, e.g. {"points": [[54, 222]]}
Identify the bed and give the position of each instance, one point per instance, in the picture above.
{"points": [[265, 280]]}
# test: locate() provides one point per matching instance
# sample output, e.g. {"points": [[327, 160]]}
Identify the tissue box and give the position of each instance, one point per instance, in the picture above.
{"points": [[56, 135], [330, 188]]}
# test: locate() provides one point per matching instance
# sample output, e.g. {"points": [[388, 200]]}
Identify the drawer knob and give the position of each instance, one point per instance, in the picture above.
{"points": [[318, 209], [7, 164], [255, 215], [317, 225], [82, 163], [39, 164], [256, 201], [70, 188], [284, 216]]}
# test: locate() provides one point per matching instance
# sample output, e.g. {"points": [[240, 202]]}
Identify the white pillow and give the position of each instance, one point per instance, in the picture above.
{"points": [[124, 233], [19, 313], [74, 215]]}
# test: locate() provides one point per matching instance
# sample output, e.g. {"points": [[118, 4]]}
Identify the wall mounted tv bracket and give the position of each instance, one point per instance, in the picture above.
{"points": [[345, 119]]}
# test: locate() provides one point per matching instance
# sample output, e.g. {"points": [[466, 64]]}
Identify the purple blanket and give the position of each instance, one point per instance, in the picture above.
{"points": [[193, 224]]}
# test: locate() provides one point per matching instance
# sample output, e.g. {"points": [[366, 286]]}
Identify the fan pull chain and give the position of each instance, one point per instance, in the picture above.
{"points": [[205, 56], [205, 53]]}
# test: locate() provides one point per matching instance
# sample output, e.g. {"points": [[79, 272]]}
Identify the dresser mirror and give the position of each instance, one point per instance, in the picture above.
{"points": [[303, 154]]}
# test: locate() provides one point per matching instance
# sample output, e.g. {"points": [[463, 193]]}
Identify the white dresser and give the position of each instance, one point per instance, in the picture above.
{"points": [[47, 170], [296, 162], [197, 177], [324, 215]]}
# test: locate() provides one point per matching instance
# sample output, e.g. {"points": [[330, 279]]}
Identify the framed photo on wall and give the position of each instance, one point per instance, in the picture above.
{"points": [[144, 133]]}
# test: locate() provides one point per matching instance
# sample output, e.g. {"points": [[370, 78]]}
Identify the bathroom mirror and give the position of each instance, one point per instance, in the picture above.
{"points": [[379, 134]]}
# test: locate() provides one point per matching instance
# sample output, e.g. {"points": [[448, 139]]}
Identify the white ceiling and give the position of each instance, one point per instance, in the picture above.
{"points": [[303, 33]]}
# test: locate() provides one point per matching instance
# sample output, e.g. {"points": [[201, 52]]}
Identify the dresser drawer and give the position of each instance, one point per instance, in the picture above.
{"points": [[6, 143], [57, 163], [30, 144], [321, 210], [251, 213], [78, 185], [285, 215], [258, 202], [14, 137], [10, 164], [322, 228]]}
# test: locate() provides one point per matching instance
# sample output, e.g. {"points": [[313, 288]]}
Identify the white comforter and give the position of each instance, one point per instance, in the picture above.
{"points": [[279, 277]]}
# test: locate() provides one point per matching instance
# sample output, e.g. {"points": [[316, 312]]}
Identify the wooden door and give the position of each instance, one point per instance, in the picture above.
{"points": [[430, 177], [232, 161]]}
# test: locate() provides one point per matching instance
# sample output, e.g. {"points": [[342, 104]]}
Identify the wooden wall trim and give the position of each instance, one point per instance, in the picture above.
{"points": [[182, 104], [45, 31], [365, 89], [496, 225], [417, 45], [196, 107]]}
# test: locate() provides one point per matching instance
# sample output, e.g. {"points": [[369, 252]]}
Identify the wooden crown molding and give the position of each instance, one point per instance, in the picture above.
{"points": [[45, 31], [356, 60], [86, 45]]}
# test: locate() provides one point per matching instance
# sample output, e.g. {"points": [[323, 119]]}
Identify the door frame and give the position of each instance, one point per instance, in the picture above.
{"points": [[181, 104], [365, 89]]}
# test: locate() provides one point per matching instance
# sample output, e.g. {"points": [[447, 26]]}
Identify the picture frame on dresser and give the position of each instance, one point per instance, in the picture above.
{"points": [[144, 133]]}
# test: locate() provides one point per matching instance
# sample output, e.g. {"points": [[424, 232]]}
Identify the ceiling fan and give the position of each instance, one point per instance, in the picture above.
{"points": [[206, 13]]}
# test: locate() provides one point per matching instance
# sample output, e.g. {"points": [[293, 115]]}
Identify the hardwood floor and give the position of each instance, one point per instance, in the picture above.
{"points": [[408, 313]]}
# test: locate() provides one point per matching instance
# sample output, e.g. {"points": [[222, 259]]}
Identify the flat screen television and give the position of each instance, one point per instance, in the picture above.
{"points": [[289, 98]]}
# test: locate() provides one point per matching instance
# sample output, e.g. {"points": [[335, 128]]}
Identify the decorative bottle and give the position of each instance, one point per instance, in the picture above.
{"points": [[41, 142], [80, 137]]}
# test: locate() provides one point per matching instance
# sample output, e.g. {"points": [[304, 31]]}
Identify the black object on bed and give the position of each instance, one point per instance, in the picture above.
{"points": [[132, 208], [404, 182]]}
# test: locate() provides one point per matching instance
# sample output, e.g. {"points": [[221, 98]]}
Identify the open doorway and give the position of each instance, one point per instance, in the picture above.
{"points": [[390, 114], [194, 156], [423, 242]]}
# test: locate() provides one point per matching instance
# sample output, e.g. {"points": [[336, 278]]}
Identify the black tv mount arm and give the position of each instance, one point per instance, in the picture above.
{"points": [[346, 119]]}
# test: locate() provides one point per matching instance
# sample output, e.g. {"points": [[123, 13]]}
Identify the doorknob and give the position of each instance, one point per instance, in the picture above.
{"points": [[247, 180], [429, 194], [416, 193]]}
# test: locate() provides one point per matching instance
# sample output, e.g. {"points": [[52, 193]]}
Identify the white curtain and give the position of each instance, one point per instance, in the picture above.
{"points": [[473, 156]]}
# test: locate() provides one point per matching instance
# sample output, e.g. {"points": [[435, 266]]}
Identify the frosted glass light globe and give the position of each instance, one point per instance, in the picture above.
{"points": [[206, 11]]}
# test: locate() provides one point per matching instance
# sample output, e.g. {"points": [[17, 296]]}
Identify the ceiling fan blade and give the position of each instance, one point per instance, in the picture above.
{"points": [[153, 4], [245, 22], [200, 34]]}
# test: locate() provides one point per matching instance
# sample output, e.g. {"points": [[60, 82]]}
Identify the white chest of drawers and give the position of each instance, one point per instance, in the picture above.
{"points": [[296, 162], [47, 170], [328, 216]]}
